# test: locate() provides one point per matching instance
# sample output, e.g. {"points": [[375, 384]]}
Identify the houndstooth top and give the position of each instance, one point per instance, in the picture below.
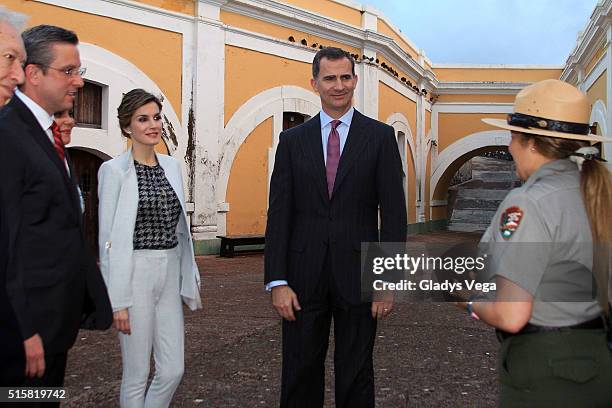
{"points": [[159, 209]]}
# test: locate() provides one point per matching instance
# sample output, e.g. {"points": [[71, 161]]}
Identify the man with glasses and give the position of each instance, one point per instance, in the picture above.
{"points": [[52, 280]]}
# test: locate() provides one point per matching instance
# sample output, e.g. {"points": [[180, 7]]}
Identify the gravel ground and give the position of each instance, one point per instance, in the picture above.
{"points": [[427, 354]]}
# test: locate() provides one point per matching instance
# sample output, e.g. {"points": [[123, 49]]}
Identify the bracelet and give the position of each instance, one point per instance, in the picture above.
{"points": [[470, 307]]}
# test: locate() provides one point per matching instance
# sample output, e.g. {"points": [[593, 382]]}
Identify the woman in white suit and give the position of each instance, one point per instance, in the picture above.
{"points": [[146, 254]]}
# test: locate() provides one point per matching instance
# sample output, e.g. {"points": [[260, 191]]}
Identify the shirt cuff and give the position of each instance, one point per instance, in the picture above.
{"points": [[274, 283]]}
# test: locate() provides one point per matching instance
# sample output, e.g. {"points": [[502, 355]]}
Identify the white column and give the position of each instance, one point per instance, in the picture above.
{"points": [[607, 147], [421, 160], [366, 95], [208, 120]]}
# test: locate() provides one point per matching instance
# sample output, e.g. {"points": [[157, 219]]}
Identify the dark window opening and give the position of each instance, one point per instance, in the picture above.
{"points": [[292, 119], [87, 110]]}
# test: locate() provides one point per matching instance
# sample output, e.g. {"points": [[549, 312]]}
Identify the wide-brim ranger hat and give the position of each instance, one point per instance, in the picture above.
{"points": [[550, 108]]}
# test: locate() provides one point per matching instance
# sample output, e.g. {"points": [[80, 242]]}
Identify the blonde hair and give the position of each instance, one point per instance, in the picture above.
{"points": [[596, 189]]}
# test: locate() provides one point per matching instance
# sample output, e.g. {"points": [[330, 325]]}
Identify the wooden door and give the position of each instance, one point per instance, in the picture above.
{"points": [[86, 167]]}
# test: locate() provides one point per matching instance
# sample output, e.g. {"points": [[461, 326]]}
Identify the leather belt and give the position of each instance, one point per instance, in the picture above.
{"points": [[596, 323]]}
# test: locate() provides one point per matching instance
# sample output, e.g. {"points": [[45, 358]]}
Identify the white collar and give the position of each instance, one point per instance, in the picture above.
{"points": [[346, 118], [44, 119]]}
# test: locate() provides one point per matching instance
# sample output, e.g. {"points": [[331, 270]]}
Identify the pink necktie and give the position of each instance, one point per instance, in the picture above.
{"points": [[57, 141], [333, 156]]}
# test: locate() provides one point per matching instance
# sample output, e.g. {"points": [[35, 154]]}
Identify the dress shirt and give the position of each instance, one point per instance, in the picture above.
{"points": [[343, 130], [42, 116]]}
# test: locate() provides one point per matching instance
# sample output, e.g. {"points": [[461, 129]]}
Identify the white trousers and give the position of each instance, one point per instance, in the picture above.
{"points": [[156, 322]]}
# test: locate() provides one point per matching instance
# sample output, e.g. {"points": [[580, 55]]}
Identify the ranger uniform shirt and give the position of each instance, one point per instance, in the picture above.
{"points": [[541, 240]]}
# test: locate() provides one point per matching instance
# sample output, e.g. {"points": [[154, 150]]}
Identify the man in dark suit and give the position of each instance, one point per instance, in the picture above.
{"points": [[330, 177], [12, 55], [52, 281]]}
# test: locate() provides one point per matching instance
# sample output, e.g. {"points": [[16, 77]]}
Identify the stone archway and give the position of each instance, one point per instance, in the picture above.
{"points": [[406, 146], [271, 103], [462, 150]]}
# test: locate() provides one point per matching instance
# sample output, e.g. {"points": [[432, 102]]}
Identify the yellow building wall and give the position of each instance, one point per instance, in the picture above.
{"points": [[390, 101], [158, 53], [597, 91], [595, 59], [276, 31], [179, 6], [495, 74], [453, 126], [384, 28], [247, 73], [247, 188], [331, 9], [438, 212], [477, 98]]}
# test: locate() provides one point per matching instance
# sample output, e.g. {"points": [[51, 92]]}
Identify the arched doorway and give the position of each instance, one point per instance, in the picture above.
{"points": [[86, 166]]}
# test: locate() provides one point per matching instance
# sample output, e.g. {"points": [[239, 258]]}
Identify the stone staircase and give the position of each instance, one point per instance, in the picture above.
{"points": [[475, 201]]}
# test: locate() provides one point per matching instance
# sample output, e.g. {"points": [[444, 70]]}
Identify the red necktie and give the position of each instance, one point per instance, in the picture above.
{"points": [[333, 156], [57, 141]]}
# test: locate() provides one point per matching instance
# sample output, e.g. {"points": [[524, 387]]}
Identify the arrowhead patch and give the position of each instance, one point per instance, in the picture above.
{"points": [[510, 221]]}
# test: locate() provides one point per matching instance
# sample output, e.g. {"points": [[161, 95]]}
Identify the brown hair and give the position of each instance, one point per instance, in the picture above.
{"points": [[596, 189], [333, 54], [131, 102]]}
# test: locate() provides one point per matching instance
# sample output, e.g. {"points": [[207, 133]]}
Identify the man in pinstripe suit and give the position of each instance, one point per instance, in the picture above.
{"points": [[330, 177]]}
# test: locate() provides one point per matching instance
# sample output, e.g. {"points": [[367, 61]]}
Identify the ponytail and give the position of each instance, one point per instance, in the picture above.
{"points": [[596, 187]]}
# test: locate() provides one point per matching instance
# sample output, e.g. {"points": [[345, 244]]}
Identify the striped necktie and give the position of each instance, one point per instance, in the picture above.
{"points": [[333, 156]]}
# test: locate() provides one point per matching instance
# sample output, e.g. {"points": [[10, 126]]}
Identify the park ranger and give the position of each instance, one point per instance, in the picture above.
{"points": [[548, 240]]}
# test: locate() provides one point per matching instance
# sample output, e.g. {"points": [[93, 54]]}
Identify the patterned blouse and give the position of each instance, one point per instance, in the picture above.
{"points": [[159, 209]]}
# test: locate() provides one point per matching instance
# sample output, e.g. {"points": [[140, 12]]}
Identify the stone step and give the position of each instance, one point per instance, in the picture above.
{"points": [[477, 200], [473, 215], [482, 193], [493, 175], [476, 204], [489, 185], [467, 227], [484, 163]]}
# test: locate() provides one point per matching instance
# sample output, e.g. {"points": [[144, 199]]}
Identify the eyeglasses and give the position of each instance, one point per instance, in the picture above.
{"points": [[69, 72]]}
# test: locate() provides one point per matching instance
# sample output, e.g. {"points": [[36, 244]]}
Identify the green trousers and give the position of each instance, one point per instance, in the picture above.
{"points": [[567, 368]]}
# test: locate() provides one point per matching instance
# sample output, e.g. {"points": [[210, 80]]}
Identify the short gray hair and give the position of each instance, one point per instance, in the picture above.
{"points": [[15, 20], [39, 40]]}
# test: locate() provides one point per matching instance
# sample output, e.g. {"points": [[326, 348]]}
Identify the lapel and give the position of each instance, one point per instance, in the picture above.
{"points": [[355, 142], [41, 137], [312, 145]]}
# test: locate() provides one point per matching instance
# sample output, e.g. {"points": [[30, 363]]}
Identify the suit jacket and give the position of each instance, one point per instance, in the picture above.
{"points": [[304, 224], [10, 338], [51, 274], [118, 194]]}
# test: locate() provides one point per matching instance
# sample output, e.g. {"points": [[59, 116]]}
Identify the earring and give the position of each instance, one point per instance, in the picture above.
{"points": [[128, 132]]}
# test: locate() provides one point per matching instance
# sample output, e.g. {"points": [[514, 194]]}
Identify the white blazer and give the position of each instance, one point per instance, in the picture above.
{"points": [[118, 195]]}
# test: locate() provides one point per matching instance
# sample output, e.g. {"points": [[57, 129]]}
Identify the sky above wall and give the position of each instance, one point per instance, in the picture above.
{"points": [[533, 32]]}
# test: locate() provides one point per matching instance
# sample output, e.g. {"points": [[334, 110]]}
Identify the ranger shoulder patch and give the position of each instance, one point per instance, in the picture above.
{"points": [[510, 221]]}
